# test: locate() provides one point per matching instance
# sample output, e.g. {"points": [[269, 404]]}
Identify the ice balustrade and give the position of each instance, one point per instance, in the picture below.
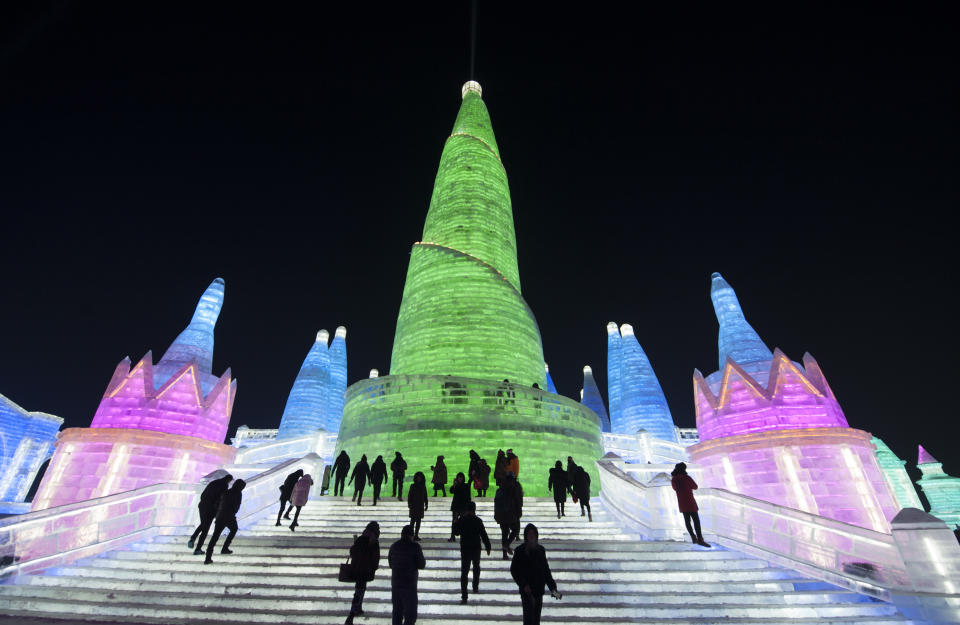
{"points": [[874, 563], [320, 442], [644, 447], [246, 437], [48, 538]]}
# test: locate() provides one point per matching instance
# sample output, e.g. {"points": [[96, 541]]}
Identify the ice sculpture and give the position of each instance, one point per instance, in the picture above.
{"points": [[338, 379], [26, 441], [643, 405], [941, 490], [772, 429], [613, 370], [155, 423], [467, 349], [896, 475], [308, 404], [591, 398], [551, 387]]}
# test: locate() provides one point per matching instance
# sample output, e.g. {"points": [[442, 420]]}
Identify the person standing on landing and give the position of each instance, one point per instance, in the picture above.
{"points": [[360, 473], [417, 502], [341, 467], [299, 496], [406, 559], [460, 492], [471, 531], [398, 468], [226, 518], [684, 485], [531, 572], [557, 482], [378, 476], [439, 477], [365, 555], [285, 489], [207, 508]]}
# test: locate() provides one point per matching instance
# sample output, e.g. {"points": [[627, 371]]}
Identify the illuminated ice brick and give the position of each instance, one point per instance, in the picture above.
{"points": [[308, 404], [896, 475], [592, 399], [26, 441], [940, 489]]}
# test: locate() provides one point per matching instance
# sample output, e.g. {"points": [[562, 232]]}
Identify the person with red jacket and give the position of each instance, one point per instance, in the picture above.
{"points": [[684, 485]]}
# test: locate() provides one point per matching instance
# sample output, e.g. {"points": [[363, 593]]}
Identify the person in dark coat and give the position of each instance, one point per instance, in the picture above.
{"points": [[507, 510], [406, 559], [471, 531], [581, 487], [439, 479], [378, 475], [227, 511], [513, 463], [684, 486], [531, 572], [571, 470], [299, 497], [340, 468], [365, 556], [482, 480], [285, 490], [499, 468], [460, 492], [209, 499], [472, 468], [361, 471], [417, 502], [398, 468], [558, 484]]}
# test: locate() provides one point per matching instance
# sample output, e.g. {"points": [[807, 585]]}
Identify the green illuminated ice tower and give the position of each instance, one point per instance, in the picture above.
{"points": [[467, 350]]}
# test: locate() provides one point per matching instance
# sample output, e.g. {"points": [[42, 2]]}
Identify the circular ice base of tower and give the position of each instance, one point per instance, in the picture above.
{"points": [[425, 416]]}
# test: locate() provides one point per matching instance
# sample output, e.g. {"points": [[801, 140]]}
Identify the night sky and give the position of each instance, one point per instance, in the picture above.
{"points": [[149, 149]]}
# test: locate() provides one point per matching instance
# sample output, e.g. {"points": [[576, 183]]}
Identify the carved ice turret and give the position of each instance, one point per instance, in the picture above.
{"points": [[940, 489], [591, 398]]}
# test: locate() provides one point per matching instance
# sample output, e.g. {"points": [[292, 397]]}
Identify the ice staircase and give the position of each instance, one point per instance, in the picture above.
{"points": [[278, 576]]}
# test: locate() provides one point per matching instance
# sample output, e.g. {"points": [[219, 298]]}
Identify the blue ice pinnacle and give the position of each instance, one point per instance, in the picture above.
{"points": [[593, 400], [308, 404], [613, 371], [196, 340], [643, 404], [338, 379], [737, 338], [551, 387]]}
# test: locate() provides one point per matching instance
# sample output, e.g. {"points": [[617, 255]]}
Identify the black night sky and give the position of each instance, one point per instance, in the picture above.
{"points": [[150, 148]]}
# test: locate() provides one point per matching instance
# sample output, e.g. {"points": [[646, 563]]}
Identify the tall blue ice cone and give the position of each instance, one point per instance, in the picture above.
{"points": [[613, 371], [308, 402], [338, 379], [196, 340], [593, 400], [737, 338], [551, 387], [644, 406]]}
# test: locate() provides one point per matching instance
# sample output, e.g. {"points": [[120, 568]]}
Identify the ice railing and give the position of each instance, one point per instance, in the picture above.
{"points": [[643, 447], [320, 442], [48, 538], [920, 556]]}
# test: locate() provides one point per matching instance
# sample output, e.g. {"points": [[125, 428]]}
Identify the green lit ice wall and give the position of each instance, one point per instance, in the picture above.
{"points": [[462, 330]]}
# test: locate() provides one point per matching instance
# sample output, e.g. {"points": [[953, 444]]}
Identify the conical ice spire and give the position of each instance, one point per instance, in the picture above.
{"points": [[644, 406], [592, 399], [737, 339], [308, 403], [551, 387], [196, 340], [462, 312], [924, 456], [613, 370], [338, 379]]}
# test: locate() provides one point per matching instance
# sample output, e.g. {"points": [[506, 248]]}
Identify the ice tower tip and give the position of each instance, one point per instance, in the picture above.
{"points": [[737, 339], [471, 86], [612, 327], [341, 332], [196, 340], [323, 336], [626, 330], [587, 369], [924, 457]]}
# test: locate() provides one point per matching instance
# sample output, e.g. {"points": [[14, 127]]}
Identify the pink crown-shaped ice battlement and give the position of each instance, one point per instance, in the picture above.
{"points": [[178, 406], [792, 398]]}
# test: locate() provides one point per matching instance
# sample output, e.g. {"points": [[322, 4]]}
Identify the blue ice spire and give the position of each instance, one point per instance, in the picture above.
{"points": [[551, 387], [737, 339], [593, 400], [614, 390], [338, 379], [308, 401], [644, 405], [196, 340]]}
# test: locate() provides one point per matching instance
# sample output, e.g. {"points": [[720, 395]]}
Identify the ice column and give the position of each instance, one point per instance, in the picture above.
{"points": [[644, 406], [308, 404], [592, 399], [338, 379]]}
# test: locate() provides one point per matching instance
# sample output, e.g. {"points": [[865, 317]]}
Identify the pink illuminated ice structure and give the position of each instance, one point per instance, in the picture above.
{"points": [[772, 429], [162, 422]]}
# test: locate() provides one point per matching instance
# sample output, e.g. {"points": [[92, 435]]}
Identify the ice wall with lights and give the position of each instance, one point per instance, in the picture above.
{"points": [[308, 404], [941, 490], [643, 406], [162, 422], [26, 441], [772, 429], [467, 349], [592, 399], [896, 475], [338, 379]]}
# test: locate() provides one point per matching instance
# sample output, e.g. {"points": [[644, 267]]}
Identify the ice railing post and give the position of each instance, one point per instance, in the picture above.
{"points": [[931, 555]]}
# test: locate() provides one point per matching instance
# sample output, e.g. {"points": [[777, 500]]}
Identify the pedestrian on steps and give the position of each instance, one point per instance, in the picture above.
{"points": [[684, 486], [581, 488], [471, 531], [557, 482], [299, 496], [285, 490], [361, 471], [378, 476], [513, 463], [227, 511], [365, 556], [341, 467], [417, 502], [439, 477], [507, 510], [406, 559], [499, 468], [209, 499], [482, 480], [460, 493], [531, 572], [398, 468]]}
